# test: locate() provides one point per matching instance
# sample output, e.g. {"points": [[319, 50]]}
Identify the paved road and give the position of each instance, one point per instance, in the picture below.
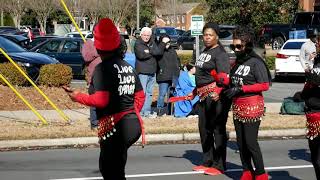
{"points": [[284, 159]]}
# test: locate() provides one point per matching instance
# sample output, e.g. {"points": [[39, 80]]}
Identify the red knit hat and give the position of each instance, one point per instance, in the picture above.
{"points": [[106, 35]]}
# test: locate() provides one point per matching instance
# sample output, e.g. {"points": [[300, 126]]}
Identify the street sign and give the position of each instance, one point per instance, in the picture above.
{"points": [[196, 25]]}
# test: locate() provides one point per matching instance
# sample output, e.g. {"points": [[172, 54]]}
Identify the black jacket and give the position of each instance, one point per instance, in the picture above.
{"points": [[145, 56], [168, 65]]}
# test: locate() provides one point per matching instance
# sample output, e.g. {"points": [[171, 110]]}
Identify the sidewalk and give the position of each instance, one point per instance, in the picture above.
{"points": [[75, 114], [84, 113]]}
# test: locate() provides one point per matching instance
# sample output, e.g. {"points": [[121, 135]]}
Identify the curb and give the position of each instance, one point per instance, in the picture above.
{"points": [[149, 138]]}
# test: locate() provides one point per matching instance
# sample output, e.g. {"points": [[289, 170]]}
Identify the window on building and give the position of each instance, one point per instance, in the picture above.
{"points": [[183, 20]]}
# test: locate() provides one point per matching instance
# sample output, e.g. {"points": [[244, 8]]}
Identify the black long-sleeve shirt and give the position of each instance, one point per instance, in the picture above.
{"points": [[211, 59]]}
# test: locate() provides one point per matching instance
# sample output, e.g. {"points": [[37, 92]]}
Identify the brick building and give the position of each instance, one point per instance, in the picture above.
{"points": [[310, 5], [181, 19]]}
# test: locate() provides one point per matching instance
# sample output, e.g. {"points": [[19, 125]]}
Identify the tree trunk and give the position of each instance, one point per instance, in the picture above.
{"points": [[131, 31], [16, 20]]}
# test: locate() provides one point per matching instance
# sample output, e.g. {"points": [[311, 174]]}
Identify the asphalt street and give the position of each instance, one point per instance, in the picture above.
{"points": [[284, 160]]}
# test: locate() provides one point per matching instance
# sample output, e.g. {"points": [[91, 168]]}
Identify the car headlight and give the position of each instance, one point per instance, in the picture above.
{"points": [[56, 60], [24, 64]]}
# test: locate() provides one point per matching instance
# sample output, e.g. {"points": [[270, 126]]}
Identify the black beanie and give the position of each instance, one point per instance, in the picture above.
{"points": [[213, 26]]}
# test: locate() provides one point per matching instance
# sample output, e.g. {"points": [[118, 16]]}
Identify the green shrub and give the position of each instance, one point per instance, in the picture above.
{"points": [[185, 58], [270, 60], [12, 74], [55, 75]]}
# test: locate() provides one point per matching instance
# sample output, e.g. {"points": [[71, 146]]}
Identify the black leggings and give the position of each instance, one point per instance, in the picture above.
{"points": [[314, 146], [247, 140], [113, 154], [212, 127]]}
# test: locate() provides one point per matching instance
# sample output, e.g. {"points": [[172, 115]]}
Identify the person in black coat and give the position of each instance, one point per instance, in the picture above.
{"points": [[167, 72], [145, 50]]}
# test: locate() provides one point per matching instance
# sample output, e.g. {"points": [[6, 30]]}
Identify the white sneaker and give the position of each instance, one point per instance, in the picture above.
{"points": [[192, 116], [152, 116]]}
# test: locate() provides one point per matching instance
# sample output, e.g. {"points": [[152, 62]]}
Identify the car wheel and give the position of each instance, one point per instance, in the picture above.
{"points": [[180, 47], [277, 43]]}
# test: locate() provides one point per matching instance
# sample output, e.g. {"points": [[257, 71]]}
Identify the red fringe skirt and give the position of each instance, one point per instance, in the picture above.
{"points": [[248, 109], [313, 125]]}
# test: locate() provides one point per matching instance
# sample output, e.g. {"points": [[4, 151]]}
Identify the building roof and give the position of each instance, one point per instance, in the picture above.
{"points": [[180, 9]]}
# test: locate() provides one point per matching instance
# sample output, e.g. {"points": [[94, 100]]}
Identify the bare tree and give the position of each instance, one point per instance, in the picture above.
{"points": [[16, 8], [78, 9], [118, 10], [95, 10], [42, 9]]}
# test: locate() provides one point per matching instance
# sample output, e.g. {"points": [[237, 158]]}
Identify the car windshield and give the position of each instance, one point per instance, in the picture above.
{"points": [[9, 46], [168, 31], [293, 45]]}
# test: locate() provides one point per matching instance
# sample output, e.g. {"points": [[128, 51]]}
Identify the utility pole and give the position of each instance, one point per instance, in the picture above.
{"points": [[138, 15], [1, 17], [174, 13], [155, 9]]}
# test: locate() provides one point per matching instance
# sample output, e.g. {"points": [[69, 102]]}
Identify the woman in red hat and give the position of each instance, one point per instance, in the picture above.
{"points": [[118, 97]]}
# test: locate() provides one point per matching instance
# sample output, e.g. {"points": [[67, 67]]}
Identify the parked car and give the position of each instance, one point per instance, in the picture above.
{"points": [[66, 50], [18, 39], [277, 34], [30, 60], [180, 31], [37, 40], [170, 31], [9, 30], [287, 62], [187, 42], [86, 35]]}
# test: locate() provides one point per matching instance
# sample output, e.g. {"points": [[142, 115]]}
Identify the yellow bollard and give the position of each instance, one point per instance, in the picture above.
{"points": [[35, 86], [24, 100], [72, 19]]}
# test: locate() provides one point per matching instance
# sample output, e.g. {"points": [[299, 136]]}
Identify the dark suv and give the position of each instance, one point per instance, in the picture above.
{"points": [[170, 31]]}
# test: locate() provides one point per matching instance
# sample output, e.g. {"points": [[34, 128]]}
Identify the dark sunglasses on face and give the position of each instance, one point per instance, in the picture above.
{"points": [[236, 46]]}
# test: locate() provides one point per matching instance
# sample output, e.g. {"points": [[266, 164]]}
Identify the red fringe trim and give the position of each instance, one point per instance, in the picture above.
{"points": [[248, 109], [313, 125], [205, 91], [107, 124]]}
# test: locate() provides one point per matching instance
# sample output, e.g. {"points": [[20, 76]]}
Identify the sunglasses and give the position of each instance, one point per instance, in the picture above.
{"points": [[236, 46]]}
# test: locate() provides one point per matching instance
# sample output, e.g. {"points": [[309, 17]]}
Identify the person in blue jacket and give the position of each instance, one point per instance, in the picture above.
{"points": [[185, 85]]}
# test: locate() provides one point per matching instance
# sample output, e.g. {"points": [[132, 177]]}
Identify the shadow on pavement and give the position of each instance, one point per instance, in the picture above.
{"points": [[195, 157], [300, 154], [283, 175]]}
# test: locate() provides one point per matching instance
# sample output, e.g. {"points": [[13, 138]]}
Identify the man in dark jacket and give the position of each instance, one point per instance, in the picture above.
{"points": [[145, 50]]}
